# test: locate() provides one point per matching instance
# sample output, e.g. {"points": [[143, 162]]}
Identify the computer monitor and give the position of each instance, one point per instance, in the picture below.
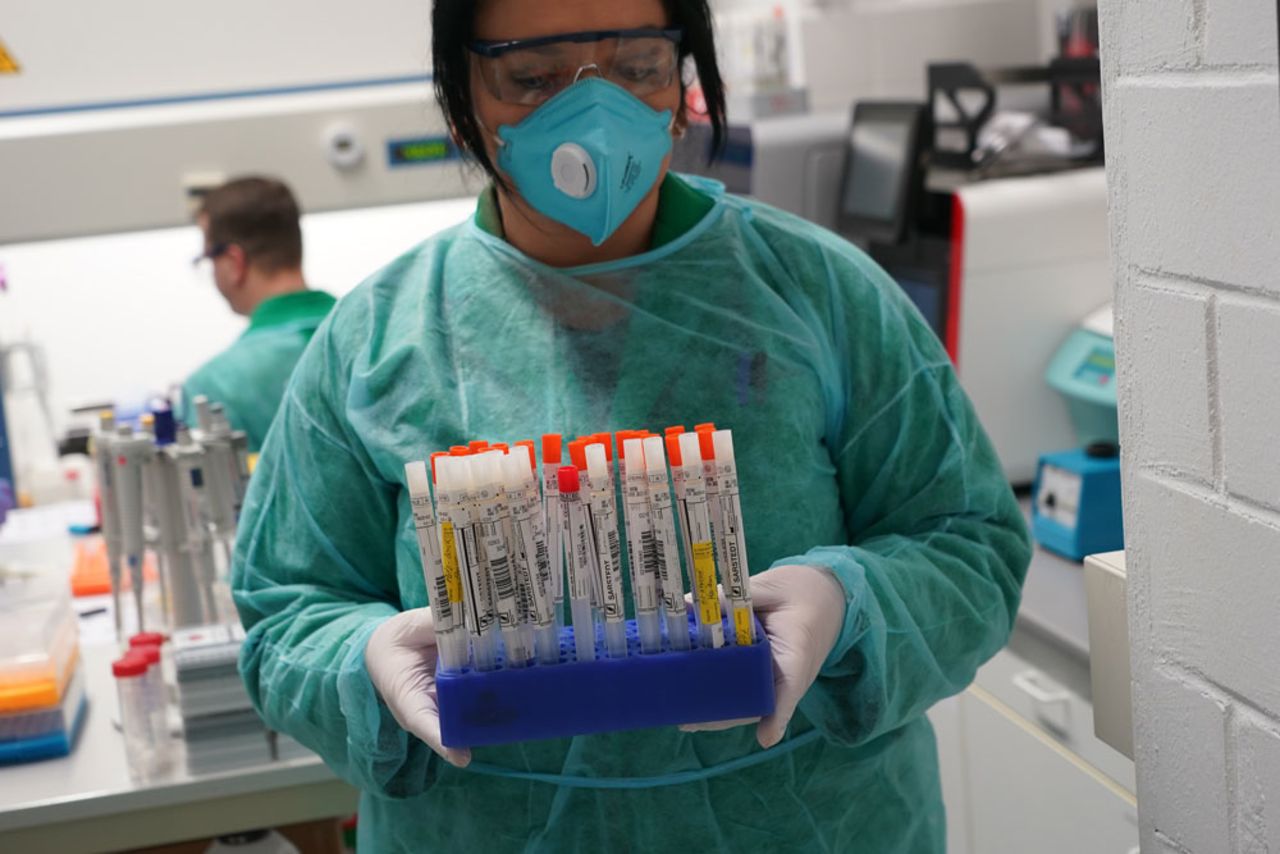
{"points": [[882, 169]]}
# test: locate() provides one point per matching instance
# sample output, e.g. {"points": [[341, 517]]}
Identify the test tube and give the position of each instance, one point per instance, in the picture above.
{"points": [[530, 544], [736, 571], [641, 545], [665, 550], [444, 585], [579, 561], [604, 520], [457, 536], [130, 673], [157, 704], [701, 548], [677, 484], [551, 451], [493, 520]]}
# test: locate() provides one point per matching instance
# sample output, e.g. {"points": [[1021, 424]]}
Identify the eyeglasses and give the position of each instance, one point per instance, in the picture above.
{"points": [[531, 71], [209, 254]]}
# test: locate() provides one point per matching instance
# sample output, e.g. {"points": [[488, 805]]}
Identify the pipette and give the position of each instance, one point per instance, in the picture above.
{"points": [[458, 544], [445, 589], [736, 572], [184, 604], [641, 546], [493, 519], [604, 521], [551, 450], [131, 452], [190, 460], [530, 546], [579, 560], [702, 550], [666, 552], [108, 509]]}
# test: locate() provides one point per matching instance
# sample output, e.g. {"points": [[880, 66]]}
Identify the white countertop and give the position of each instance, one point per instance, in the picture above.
{"points": [[93, 781]]}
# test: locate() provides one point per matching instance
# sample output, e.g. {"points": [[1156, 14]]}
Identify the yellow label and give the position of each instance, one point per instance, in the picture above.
{"points": [[8, 65], [449, 558], [742, 626], [704, 575]]}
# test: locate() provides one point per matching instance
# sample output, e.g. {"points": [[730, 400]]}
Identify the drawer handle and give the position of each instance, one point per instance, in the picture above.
{"points": [[1029, 683]]}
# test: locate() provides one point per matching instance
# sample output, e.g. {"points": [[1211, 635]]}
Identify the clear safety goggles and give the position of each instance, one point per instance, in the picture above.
{"points": [[531, 71]]}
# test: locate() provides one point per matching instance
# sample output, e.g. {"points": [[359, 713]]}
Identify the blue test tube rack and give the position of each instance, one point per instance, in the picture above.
{"points": [[667, 688]]}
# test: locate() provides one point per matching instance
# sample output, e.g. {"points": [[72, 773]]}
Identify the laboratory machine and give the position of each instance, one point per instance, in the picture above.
{"points": [[1001, 259], [1077, 499]]}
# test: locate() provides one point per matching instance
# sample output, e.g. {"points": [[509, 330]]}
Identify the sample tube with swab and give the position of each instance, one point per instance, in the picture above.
{"points": [[453, 486], [530, 545], [493, 520], [701, 548], [443, 586], [666, 550], [604, 522], [580, 561], [735, 571], [641, 546]]}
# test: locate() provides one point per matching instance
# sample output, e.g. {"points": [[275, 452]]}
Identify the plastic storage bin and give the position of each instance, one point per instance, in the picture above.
{"points": [[500, 706]]}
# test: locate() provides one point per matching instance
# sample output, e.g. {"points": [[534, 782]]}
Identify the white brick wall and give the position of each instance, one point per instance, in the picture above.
{"points": [[1193, 146]]}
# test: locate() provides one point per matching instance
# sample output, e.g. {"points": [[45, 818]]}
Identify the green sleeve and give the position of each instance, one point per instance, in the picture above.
{"points": [[938, 547], [313, 576]]}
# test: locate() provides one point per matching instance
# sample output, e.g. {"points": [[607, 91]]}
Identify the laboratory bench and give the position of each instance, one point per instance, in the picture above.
{"points": [[1021, 767], [87, 801]]}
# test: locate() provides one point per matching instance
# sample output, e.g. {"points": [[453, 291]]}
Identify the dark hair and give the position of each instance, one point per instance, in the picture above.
{"points": [[260, 215], [452, 28]]}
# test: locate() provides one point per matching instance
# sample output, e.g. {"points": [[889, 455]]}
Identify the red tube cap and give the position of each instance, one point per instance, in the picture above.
{"points": [[568, 477], [146, 639], [130, 666]]}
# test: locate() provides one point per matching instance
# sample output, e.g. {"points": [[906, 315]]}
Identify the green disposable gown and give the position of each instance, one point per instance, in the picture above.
{"points": [[248, 378], [857, 451]]}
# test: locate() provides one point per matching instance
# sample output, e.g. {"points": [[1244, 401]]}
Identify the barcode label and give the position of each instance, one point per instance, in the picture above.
{"points": [[440, 604], [500, 568], [615, 548], [651, 553]]}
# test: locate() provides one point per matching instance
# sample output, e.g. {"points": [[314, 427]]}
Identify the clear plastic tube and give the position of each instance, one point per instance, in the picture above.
{"points": [[531, 545], [604, 522], [135, 716], [579, 561], [666, 551], [701, 547], [493, 519], [452, 496], [736, 571], [641, 546], [444, 588]]}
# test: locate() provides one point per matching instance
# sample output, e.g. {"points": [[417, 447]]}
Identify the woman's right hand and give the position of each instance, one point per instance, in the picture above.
{"points": [[400, 657]]}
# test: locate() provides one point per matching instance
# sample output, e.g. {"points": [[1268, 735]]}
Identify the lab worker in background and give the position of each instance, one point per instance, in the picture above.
{"points": [[594, 290], [253, 241]]}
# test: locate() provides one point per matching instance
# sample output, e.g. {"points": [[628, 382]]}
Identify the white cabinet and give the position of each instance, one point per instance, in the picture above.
{"points": [[1021, 769]]}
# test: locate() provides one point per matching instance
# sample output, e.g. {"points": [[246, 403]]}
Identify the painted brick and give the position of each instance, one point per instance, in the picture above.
{"points": [[1153, 34], [1258, 788], [1199, 198], [1240, 32], [1212, 578], [1181, 744], [1249, 393], [1161, 341]]}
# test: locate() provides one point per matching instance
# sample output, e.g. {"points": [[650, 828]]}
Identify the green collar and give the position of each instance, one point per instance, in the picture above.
{"points": [[286, 308], [680, 208]]}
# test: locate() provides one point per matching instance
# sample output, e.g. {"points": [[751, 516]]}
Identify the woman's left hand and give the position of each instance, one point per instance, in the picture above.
{"points": [[801, 609]]}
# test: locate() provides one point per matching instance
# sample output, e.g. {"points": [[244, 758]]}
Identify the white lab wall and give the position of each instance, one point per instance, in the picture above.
{"points": [[1193, 152], [76, 52], [124, 315]]}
